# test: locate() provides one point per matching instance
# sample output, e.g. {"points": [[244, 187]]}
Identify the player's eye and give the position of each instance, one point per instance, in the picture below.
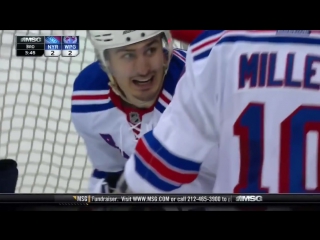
{"points": [[151, 50], [128, 56]]}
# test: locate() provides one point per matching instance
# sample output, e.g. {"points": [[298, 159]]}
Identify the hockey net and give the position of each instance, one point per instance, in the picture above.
{"points": [[35, 126]]}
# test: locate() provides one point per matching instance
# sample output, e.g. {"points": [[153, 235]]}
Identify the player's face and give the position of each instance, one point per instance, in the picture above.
{"points": [[139, 68]]}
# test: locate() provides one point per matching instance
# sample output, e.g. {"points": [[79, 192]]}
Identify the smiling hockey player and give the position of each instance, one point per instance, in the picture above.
{"points": [[122, 96]]}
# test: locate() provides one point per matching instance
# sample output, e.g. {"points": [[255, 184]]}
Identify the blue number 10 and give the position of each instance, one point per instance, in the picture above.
{"points": [[293, 131]]}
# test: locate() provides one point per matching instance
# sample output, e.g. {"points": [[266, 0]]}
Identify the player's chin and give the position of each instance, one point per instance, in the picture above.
{"points": [[145, 97]]}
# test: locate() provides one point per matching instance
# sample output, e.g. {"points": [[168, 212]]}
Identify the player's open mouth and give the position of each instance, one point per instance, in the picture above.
{"points": [[142, 81]]}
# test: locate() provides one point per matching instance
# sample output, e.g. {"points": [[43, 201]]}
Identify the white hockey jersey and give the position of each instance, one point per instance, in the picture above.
{"points": [[254, 93], [109, 130]]}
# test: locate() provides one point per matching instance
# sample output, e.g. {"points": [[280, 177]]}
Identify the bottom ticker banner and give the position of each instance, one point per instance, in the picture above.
{"points": [[210, 199]]}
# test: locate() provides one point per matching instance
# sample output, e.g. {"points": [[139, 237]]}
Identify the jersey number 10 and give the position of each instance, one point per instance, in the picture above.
{"points": [[293, 133]]}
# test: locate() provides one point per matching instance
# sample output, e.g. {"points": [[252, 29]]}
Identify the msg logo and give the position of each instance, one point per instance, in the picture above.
{"points": [[31, 39], [82, 198], [249, 198]]}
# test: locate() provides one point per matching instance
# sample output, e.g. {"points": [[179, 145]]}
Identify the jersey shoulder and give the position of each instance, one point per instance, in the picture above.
{"points": [[91, 90], [175, 70], [201, 47]]}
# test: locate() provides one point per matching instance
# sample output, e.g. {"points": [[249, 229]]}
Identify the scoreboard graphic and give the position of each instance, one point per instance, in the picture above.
{"points": [[48, 46], [52, 46], [70, 46]]}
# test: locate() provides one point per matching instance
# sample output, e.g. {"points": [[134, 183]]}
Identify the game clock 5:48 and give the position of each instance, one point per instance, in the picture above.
{"points": [[30, 53]]}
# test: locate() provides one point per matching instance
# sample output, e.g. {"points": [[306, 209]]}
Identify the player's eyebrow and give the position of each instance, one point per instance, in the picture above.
{"points": [[152, 42], [133, 50]]}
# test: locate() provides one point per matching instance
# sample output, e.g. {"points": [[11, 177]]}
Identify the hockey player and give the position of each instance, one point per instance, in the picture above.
{"points": [[122, 96], [254, 92]]}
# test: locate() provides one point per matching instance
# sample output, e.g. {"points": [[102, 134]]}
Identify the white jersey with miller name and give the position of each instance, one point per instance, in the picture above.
{"points": [[109, 130], [256, 94]]}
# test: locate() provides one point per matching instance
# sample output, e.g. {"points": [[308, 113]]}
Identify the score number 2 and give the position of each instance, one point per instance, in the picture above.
{"points": [[293, 132], [53, 53]]}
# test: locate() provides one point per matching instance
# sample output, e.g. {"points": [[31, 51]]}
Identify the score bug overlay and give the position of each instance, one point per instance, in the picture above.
{"points": [[49, 46], [70, 46], [52, 46], [30, 46]]}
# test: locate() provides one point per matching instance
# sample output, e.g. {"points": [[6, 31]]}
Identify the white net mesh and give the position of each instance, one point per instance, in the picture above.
{"points": [[35, 126]]}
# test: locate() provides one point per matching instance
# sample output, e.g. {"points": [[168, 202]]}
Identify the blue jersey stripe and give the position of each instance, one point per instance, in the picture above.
{"points": [[271, 39], [206, 34], [202, 55], [175, 161], [155, 180]]}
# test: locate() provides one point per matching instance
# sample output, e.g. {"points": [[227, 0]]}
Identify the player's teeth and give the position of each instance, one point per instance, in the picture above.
{"points": [[143, 80]]}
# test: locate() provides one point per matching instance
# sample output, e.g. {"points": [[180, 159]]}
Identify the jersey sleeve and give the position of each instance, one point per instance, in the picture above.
{"points": [[85, 112], [171, 155]]}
